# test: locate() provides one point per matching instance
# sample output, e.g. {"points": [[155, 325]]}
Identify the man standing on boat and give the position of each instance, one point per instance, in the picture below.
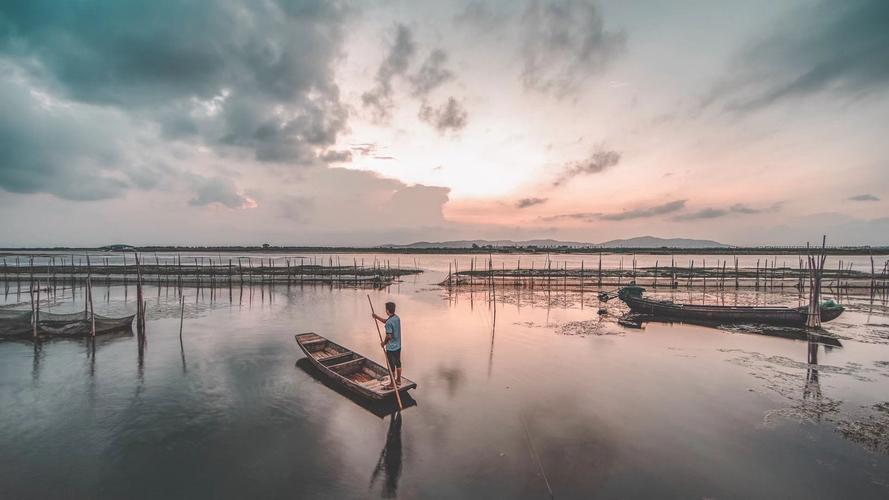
{"points": [[392, 342]]}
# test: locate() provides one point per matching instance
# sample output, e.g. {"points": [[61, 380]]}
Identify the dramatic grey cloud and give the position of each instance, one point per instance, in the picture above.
{"points": [[530, 202], [579, 216], [216, 73], [715, 213], [210, 190], [333, 156], [704, 213], [564, 43], [45, 148], [396, 63], [479, 15], [294, 208], [838, 47], [864, 197], [636, 213], [431, 74], [645, 212], [449, 116], [600, 160]]}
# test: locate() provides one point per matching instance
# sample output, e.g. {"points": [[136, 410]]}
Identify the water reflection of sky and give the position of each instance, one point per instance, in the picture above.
{"points": [[550, 389]]}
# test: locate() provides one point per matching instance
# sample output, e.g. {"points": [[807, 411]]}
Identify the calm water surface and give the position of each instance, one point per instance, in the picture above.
{"points": [[545, 391]]}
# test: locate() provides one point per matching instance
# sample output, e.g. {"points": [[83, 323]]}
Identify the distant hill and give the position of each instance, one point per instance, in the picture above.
{"points": [[492, 243], [653, 242], [639, 242]]}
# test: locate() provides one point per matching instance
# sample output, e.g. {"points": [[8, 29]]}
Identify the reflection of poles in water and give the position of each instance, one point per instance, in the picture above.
{"points": [[494, 320], [536, 457], [390, 458], [812, 390], [38, 356], [91, 354], [491, 355]]}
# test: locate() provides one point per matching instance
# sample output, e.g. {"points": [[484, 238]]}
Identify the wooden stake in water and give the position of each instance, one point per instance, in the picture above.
{"points": [[181, 316], [599, 280], [37, 310], [89, 292], [816, 268], [655, 272], [33, 310]]}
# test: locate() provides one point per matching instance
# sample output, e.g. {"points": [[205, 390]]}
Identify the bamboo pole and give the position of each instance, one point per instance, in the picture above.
{"points": [[816, 268], [37, 310], [673, 282], [181, 316], [600, 271], [89, 294], [386, 356], [620, 271], [757, 274], [581, 282], [704, 272], [656, 262], [33, 310]]}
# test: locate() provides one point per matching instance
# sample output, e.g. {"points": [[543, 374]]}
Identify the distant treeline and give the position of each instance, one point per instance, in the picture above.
{"points": [[486, 249]]}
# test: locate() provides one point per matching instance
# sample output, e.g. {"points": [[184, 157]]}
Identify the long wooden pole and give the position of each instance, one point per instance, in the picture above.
{"points": [[385, 355], [89, 292], [181, 316]]}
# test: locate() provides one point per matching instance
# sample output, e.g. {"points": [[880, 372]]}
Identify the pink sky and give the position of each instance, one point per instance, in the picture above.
{"points": [[343, 123]]}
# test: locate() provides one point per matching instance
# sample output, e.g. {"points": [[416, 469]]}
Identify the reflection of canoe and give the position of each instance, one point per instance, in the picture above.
{"points": [[348, 369], [379, 407], [632, 296], [18, 324]]}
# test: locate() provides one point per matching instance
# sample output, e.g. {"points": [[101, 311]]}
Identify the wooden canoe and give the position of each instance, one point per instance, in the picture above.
{"points": [[789, 316], [353, 371]]}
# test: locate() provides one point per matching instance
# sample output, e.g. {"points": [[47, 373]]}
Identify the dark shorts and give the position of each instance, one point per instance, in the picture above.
{"points": [[394, 358]]}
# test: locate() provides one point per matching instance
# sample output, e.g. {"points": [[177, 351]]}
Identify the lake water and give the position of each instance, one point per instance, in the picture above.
{"points": [[545, 394]]}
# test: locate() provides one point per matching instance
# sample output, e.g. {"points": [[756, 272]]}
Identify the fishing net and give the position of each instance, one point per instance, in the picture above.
{"points": [[14, 323], [18, 323], [11, 315], [63, 317]]}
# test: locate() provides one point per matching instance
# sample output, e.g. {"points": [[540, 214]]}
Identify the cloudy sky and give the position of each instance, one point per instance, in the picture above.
{"points": [[309, 122]]}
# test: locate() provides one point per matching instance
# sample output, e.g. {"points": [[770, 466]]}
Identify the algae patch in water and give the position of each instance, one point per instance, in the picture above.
{"points": [[589, 327], [798, 383]]}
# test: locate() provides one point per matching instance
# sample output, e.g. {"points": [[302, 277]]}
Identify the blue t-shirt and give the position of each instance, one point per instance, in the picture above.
{"points": [[393, 328]]}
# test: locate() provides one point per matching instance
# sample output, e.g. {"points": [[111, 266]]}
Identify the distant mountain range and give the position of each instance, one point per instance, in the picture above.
{"points": [[638, 242]]}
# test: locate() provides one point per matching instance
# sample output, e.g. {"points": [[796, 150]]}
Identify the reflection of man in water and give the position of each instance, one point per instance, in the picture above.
{"points": [[392, 342], [390, 458]]}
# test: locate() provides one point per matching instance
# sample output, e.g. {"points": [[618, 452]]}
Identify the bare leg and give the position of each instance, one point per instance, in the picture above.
{"points": [[398, 376]]}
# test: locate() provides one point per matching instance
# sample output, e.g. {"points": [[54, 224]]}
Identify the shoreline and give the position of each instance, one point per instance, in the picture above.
{"points": [[875, 251]]}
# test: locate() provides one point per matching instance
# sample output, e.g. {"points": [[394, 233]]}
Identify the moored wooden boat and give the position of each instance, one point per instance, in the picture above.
{"points": [[356, 373], [790, 316]]}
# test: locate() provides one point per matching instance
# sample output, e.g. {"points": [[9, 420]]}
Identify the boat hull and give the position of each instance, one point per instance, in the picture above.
{"points": [[784, 316], [359, 375]]}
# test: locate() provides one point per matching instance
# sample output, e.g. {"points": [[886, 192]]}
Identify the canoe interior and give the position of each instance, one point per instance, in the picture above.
{"points": [[354, 371]]}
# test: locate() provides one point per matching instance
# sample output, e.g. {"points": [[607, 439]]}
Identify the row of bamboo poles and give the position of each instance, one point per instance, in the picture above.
{"points": [[44, 280], [722, 274], [204, 271]]}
